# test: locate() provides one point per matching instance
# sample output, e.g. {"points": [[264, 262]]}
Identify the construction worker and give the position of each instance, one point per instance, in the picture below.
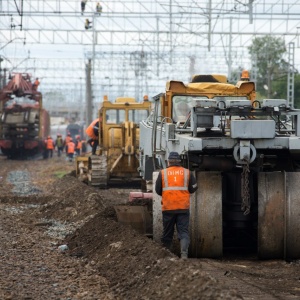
{"points": [[93, 132], [70, 149], [175, 184], [83, 4], [59, 144], [45, 151], [36, 84], [67, 140], [99, 8], [87, 24], [49, 146], [78, 145]]}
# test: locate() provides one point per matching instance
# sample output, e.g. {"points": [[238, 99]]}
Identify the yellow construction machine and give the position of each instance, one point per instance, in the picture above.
{"points": [[245, 155], [117, 154]]}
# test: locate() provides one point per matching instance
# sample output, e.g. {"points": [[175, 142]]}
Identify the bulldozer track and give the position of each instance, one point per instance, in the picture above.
{"points": [[98, 171]]}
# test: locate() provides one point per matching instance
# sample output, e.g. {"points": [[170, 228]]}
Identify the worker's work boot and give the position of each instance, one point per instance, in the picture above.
{"points": [[184, 245], [167, 244]]}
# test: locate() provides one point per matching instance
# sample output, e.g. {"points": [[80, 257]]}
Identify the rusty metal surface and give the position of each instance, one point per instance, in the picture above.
{"points": [[206, 217], [292, 224], [138, 217], [271, 202]]}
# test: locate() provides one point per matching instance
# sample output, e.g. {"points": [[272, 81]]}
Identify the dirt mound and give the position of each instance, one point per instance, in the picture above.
{"points": [[41, 210], [135, 266]]}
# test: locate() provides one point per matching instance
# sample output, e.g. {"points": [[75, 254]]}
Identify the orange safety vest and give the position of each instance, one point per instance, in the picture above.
{"points": [[78, 145], [90, 130], [68, 139], [175, 193], [50, 144], [71, 147]]}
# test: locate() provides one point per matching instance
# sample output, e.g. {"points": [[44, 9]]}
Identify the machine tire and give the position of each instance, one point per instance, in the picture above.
{"points": [[278, 216], [271, 209], [206, 217], [292, 213]]}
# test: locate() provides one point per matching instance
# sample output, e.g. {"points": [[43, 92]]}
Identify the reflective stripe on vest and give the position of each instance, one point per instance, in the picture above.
{"points": [[175, 193], [175, 188]]}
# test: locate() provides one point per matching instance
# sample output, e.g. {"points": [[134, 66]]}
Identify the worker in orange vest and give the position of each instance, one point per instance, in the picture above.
{"points": [[70, 149], [49, 146], [93, 132], [36, 84], [175, 184], [78, 145], [67, 140]]}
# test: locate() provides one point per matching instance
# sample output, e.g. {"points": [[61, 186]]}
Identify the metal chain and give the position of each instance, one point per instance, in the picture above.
{"points": [[245, 191]]}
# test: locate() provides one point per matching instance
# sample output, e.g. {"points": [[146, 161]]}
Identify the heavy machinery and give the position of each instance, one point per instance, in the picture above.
{"points": [[117, 156], [245, 155], [75, 130], [24, 124]]}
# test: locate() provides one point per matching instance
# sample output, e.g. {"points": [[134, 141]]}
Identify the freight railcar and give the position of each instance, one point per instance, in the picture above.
{"points": [[24, 123]]}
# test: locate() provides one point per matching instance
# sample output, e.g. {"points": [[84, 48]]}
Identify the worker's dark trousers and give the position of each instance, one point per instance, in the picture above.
{"points": [[181, 220], [94, 147], [50, 152]]}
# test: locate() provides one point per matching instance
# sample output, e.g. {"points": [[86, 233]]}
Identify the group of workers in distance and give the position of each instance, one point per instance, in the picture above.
{"points": [[70, 146], [73, 147]]}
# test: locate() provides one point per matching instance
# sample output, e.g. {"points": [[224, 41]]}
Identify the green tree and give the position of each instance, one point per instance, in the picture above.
{"points": [[280, 89], [268, 52]]}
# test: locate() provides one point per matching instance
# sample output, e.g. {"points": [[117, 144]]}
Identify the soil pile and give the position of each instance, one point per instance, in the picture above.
{"points": [[60, 239], [134, 265]]}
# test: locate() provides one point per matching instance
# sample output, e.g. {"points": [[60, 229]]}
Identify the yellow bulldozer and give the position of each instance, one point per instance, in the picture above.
{"points": [[116, 158]]}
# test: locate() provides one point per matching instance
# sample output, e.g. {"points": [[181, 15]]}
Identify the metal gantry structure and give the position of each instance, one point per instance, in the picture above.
{"points": [[135, 46]]}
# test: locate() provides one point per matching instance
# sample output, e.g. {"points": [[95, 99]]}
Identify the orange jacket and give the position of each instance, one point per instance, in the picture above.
{"points": [[175, 193], [67, 139], [49, 144], [71, 147], [90, 130], [79, 143]]}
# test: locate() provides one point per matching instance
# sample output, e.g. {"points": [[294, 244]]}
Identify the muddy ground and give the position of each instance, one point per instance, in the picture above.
{"points": [[45, 209]]}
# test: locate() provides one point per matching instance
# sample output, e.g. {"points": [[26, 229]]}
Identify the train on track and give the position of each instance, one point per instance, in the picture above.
{"points": [[24, 123]]}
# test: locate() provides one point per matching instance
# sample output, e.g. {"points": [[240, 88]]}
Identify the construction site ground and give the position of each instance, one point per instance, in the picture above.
{"points": [[60, 239]]}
